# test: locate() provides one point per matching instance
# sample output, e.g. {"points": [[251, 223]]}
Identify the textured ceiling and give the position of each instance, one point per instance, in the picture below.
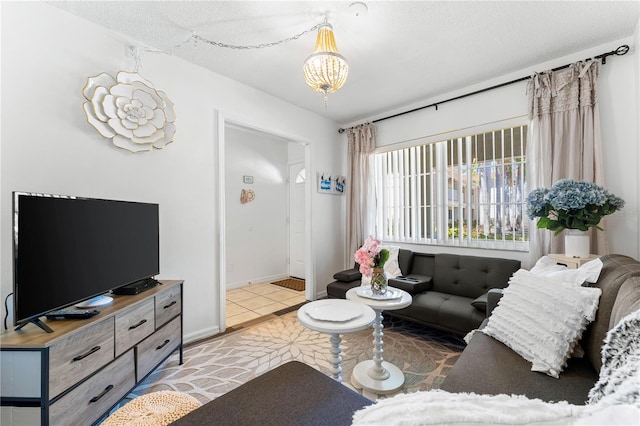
{"points": [[398, 52]]}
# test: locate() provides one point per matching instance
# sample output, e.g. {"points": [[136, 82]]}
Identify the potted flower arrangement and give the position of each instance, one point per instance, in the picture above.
{"points": [[572, 205], [371, 258]]}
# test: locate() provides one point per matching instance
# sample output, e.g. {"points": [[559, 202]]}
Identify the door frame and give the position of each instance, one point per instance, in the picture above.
{"points": [[220, 189]]}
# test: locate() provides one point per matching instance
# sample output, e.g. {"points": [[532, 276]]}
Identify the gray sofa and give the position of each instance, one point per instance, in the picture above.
{"points": [[487, 366], [449, 291], [296, 394]]}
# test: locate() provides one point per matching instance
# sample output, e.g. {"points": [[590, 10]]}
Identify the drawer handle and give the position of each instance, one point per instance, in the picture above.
{"points": [[82, 356], [173, 302], [103, 393], [165, 343], [138, 324]]}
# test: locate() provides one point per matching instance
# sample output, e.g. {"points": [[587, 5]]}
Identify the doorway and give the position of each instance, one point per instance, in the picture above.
{"points": [[300, 208]]}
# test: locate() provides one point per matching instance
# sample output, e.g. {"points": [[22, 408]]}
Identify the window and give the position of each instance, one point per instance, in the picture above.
{"points": [[467, 191], [300, 177]]}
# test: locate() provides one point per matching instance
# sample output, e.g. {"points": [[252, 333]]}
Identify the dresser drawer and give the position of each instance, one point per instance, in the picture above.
{"points": [[168, 305], [158, 346], [79, 355], [134, 325], [86, 403]]}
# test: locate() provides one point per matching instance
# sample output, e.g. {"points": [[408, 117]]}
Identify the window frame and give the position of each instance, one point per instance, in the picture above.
{"points": [[435, 213]]}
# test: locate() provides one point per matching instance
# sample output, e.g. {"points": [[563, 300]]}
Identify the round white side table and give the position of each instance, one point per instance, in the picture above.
{"points": [[335, 317], [377, 375]]}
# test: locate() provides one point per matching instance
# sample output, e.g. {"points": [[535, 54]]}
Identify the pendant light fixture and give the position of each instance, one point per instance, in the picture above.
{"points": [[325, 70]]}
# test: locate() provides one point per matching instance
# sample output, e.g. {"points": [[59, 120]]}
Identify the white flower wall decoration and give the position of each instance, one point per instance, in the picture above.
{"points": [[130, 111]]}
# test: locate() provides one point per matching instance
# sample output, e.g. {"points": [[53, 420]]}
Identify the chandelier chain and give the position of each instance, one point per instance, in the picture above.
{"points": [[256, 46]]}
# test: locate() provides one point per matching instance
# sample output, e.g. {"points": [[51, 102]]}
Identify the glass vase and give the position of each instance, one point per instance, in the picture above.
{"points": [[378, 281]]}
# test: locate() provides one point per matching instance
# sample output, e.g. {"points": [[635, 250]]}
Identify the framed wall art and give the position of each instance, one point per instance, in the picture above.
{"points": [[331, 184]]}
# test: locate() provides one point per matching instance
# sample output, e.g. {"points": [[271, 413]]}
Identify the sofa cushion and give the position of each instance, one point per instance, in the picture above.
{"points": [[443, 311], [405, 261], [291, 394], [542, 318], [471, 276], [488, 366]]}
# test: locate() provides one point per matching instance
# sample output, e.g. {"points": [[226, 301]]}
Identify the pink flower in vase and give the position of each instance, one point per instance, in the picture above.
{"points": [[370, 256]]}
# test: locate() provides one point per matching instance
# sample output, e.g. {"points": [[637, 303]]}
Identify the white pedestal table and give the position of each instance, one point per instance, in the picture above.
{"points": [[335, 317], [377, 375]]}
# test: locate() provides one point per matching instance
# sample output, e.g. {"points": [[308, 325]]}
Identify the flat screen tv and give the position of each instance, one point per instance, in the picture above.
{"points": [[70, 249]]}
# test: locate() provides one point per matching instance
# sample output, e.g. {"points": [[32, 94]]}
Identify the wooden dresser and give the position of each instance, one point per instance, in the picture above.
{"points": [[76, 374]]}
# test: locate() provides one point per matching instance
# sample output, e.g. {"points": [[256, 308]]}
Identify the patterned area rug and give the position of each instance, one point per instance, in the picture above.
{"points": [[216, 366], [292, 283]]}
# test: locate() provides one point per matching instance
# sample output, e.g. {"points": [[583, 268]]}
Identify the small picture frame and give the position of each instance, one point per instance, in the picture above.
{"points": [[247, 179], [338, 184], [324, 183]]}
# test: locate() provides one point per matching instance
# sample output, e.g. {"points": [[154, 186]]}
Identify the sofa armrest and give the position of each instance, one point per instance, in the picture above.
{"points": [[347, 275], [480, 302], [493, 297], [412, 284]]}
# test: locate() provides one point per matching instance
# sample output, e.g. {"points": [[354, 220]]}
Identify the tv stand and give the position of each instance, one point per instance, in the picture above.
{"points": [[77, 375], [37, 322]]}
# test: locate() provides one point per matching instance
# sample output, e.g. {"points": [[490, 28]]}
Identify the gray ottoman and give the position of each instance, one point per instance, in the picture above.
{"points": [[291, 394]]}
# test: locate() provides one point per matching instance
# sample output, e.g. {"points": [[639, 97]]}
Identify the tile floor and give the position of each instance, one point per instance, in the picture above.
{"points": [[256, 300]]}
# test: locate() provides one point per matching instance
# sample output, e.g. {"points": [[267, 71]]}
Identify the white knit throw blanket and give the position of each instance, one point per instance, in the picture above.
{"points": [[443, 408]]}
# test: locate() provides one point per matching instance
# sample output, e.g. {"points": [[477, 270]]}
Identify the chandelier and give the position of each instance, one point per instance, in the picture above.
{"points": [[325, 70]]}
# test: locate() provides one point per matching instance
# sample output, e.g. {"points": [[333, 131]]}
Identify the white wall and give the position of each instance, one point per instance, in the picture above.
{"points": [[619, 111], [295, 153], [256, 232], [47, 146]]}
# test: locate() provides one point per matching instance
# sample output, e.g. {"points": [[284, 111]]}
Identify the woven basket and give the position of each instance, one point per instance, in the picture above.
{"points": [[156, 408]]}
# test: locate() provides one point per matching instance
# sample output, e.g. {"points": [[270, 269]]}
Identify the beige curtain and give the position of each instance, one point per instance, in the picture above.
{"points": [[564, 141], [361, 202]]}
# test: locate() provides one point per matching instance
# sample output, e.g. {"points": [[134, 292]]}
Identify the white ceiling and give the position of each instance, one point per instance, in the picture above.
{"points": [[398, 51]]}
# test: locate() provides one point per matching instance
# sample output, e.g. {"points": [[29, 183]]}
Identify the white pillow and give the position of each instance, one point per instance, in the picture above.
{"points": [[391, 266], [545, 265], [542, 319], [589, 272]]}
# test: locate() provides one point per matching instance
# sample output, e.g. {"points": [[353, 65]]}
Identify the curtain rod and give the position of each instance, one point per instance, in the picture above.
{"points": [[622, 50]]}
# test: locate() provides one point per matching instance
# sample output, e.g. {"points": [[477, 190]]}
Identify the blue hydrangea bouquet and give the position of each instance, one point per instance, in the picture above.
{"points": [[571, 204]]}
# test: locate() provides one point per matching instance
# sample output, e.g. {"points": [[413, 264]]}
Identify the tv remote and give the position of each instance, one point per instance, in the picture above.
{"points": [[72, 314]]}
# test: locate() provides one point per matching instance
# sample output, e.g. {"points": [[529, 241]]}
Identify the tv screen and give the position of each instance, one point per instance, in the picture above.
{"points": [[69, 249]]}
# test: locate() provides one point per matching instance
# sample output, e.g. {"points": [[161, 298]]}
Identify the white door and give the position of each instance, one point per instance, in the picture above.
{"points": [[296, 220]]}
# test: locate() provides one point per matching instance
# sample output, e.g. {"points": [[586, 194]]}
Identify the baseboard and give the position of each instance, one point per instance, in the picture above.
{"points": [[200, 334], [261, 280]]}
